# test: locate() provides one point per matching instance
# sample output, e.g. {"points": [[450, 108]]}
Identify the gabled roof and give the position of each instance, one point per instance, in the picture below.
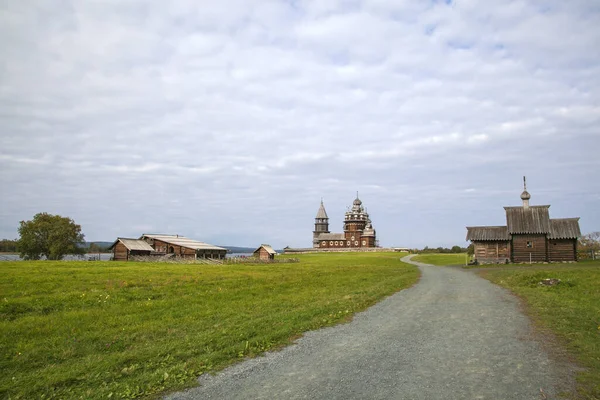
{"points": [[532, 219], [182, 241], [267, 247], [133, 244], [564, 228], [331, 236], [322, 214], [487, 233]]}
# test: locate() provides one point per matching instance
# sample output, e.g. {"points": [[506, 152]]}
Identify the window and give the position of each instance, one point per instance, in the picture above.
{"points": [[331, 242], [348, 243], [356, 243], [364, 242], [336, 242], [529, 244]]}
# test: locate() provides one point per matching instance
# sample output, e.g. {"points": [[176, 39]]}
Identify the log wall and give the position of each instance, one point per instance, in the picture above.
{"points": [[562, 250], [521, 252], [163, 247], [263, 254], [492, 251], [120, 252]]}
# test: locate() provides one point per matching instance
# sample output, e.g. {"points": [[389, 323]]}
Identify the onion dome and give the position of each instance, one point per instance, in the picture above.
{"points": [[357, 205], [525, 196], [368, 231]]}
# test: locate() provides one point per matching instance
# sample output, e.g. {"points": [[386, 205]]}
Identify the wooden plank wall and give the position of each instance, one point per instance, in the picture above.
{"points": [[120, 252], [562, 250], [520, 251], [165, 247], [497, 251]]}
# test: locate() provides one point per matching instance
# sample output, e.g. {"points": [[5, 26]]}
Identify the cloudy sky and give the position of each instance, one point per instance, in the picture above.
{"points": [[228, 121]]}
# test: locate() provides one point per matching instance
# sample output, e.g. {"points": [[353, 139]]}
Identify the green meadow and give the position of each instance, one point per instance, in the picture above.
{"points": [[570, 309], [130, 330], [441, 259]]}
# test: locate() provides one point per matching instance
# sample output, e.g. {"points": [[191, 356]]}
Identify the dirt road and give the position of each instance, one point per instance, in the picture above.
{"points": [[453, 335]]}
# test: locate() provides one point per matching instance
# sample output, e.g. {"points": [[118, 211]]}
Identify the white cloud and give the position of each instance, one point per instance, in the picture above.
{"points": [[238, 116]]}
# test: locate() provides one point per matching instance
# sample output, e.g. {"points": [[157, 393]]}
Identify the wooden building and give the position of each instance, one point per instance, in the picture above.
{"points": [[265, 252], [183, 247], [358, 229], [161, 245], [530, 235], [124, 248]]}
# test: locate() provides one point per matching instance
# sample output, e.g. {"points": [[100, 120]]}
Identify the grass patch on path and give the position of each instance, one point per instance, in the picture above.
{"points": [[441, 259], [127, 330], [570, 309]]}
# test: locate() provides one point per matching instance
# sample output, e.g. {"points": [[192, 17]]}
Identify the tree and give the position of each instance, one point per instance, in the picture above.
{"points": [[590, 243], [471, 249], [49, 235], [8, 246]]}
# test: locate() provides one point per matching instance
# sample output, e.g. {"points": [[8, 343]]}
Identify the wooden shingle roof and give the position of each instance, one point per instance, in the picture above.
{"points": [[267, 247], [331, 236], [528, 220], [133, 244], [182, 241], [564, 228], [322, 214], [487, 233]]}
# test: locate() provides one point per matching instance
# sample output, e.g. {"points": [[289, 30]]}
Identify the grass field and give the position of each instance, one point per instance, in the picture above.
{"points": [[441, 259], [570, 309], [126, 330]]}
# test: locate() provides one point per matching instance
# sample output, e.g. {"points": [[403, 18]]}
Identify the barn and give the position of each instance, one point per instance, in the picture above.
{"points": [[530, 235], [182, 246], [265, 252], [162, 245]]}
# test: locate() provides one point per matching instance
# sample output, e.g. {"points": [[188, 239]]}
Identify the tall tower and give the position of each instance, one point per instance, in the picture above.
{"points": [[355, 222], [525, 196], [321, 224]]}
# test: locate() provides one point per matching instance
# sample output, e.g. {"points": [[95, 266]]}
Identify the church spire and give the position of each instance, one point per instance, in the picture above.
{"points": [[525, 196], [322, 214]]}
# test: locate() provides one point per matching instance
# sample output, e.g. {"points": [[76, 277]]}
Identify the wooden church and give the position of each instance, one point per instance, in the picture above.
{"points": [[530, 235], [358, 229]]}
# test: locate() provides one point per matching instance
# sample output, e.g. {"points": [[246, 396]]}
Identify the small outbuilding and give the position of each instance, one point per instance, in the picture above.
{"points": [[265, 252], [124, 248]]}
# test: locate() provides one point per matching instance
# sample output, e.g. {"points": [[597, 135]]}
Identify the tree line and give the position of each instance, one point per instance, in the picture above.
{"points": [[445, 250]]}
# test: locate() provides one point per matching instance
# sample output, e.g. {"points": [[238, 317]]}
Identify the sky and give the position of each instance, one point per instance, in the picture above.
{"points": [[228, 121]]}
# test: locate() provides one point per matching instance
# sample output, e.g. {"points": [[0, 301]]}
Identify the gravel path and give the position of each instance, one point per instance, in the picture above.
{"points": [[451, 336]]}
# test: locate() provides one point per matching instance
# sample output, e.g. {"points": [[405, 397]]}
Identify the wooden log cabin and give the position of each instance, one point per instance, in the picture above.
{"points": [[160, 245], [183, 247], [125, 248], [529, 236], [265, 252]]}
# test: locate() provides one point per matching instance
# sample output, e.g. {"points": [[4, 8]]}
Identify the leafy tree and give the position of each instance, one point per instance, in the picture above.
{"points": [[590, 243], [471, 249], [49, 235], [96, 248]]}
